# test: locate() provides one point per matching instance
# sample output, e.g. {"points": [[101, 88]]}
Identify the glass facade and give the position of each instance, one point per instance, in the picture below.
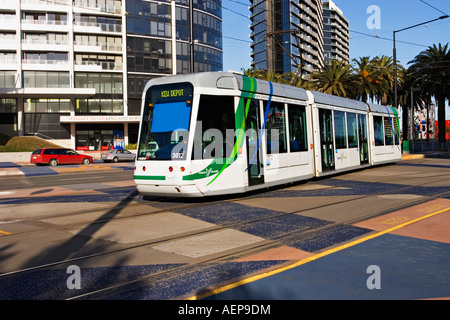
{"points": [[112, 46], [109, 93], [268, 21], [149, 42]]}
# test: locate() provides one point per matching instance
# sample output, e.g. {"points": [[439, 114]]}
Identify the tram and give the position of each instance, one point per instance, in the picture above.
{"points": [[217, 133]]}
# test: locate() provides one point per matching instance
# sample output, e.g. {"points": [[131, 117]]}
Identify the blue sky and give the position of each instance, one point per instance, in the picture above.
{"points": [[394, 15]]}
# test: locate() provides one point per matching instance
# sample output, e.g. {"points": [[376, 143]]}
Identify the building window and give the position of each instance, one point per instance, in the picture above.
{"points": [[47, 105], [149, 55], [8, 105], [46, 79], [108, 97], [7, 79]]}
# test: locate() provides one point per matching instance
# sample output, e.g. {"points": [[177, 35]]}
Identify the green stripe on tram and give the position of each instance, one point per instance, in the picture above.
{"points": [[158, 178], [217, 166]]}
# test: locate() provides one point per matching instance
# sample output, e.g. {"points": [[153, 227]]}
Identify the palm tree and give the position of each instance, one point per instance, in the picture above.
{"points": [[431, 69], [271, 76], [367, 79], [384, 69], [251, 72], [335, 78], [296, 80]]}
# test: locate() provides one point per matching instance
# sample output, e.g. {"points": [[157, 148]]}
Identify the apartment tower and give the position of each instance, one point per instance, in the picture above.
{"points": [[335, 33], [286, 35], [74, 70]]}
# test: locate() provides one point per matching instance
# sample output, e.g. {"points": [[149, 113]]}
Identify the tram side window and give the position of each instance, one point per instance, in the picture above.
{"points": [[388, 128], [352, 130], [297, 128], [276, 128], [378, 130], [215, 117], [340, 130]]}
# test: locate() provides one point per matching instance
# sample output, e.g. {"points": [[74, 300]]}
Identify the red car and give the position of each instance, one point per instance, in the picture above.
{"points": [[55, 156]]}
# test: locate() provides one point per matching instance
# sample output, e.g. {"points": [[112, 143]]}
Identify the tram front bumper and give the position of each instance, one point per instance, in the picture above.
{"points": [[159, 190]]}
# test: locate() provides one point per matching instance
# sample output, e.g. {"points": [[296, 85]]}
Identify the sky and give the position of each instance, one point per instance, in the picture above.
{"points": [[366, 39]]}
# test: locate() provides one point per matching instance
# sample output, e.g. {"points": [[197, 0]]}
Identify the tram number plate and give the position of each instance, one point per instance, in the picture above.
{"points": [[177, 155]]}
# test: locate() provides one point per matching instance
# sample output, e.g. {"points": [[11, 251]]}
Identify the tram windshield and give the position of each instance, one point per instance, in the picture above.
{"points": [[165, 122]]}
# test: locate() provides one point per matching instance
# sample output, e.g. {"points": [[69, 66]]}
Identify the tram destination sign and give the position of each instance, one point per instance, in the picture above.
{"points": [[171, 92]]}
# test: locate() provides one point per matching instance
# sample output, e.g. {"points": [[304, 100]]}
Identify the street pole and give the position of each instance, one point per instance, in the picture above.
{"points": [[191, 36], [395, 51], [395, 63]]}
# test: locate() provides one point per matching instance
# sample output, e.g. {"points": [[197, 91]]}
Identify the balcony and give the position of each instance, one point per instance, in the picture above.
{"points": [[83, 46], [8, 63], [91, 27], [8, 5], [89, 6], [48, 45], [46, 5], [7, 44], [8, 22], [97, 66], [44, 25], [42, 64]]}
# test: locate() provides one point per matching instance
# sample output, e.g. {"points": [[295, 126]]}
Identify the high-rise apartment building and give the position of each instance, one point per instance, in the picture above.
{"points": [[74, 70], [335, 33], [286, 35]]}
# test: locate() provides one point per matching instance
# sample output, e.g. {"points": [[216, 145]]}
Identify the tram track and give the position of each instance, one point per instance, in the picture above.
{"points": [[220, 257], [187, 204], [184, 205], [240, 252]]}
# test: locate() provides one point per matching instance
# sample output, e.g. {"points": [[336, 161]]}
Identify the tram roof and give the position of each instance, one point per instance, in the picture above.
{"points": [[328, 99], [278, 89], [380, 108]]}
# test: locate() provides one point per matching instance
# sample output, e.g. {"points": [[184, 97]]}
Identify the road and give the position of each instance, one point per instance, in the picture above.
{"points": [[35, 177], [128, 247]]}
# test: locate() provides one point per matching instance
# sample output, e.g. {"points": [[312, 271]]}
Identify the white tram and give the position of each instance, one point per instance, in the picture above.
{"points": [[219, 133]]}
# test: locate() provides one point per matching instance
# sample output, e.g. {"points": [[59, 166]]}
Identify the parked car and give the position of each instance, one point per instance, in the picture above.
{"points": [[117, 155], [55, 156]]}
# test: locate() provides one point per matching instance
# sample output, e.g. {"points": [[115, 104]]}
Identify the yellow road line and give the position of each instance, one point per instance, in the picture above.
{"points": [[312, 258], [4, 233]]}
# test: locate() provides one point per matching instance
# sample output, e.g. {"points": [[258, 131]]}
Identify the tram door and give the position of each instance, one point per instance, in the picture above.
{"points": [[363, 141], [254, 154], [326, 139]]}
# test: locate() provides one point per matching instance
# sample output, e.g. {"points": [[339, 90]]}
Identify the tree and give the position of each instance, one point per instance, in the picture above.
{"points": [[431, 69], [384, 67], [251, 72], [296, 80], [368, 81], [335, 78]]}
